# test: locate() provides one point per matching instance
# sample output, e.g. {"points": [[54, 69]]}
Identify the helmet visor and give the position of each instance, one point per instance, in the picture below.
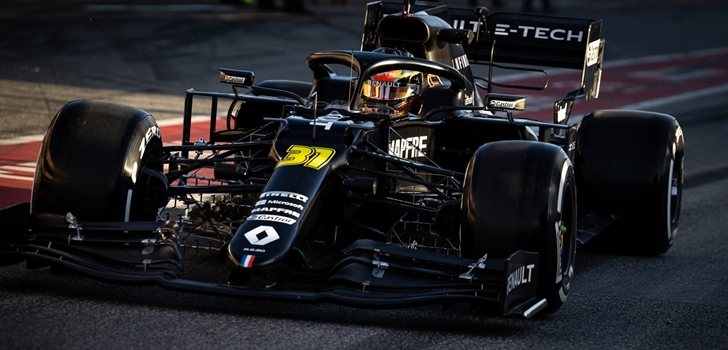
{"points": [[392, 86], [388, 93]]}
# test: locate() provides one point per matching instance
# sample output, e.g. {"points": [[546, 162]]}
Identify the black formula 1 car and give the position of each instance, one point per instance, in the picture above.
{"points": [[324, 191]]}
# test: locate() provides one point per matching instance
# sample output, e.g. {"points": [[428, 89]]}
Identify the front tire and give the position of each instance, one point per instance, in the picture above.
{"points": [[521, 195], [95, 163]]}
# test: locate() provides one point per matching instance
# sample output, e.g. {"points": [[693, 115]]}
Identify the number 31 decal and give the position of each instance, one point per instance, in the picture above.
{"points": [[310, 157]]}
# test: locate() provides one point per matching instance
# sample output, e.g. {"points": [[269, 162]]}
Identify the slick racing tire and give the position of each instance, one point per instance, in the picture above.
{"points": [[95, 162], [521, 195], [629, 166]]}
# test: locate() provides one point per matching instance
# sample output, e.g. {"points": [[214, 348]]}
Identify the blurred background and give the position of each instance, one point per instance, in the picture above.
{"points": [[147, 52]]}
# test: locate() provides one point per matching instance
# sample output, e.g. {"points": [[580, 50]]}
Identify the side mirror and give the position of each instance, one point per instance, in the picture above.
{"points": [[505, 102], [237, 77]]}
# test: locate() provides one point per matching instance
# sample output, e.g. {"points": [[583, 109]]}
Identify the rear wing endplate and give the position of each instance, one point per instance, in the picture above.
{"points": [[514, 38]]}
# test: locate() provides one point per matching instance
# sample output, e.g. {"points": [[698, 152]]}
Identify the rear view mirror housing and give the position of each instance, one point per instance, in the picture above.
{"points": [[237, 77]]}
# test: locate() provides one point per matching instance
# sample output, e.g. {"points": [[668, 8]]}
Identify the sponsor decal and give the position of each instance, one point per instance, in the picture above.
{"points": [[276, 210], [561, 113], [247, 261], [233, 79], [503, 104], [520, 276], [262, 235], [384, 83], [410, 147], [469, 99], [272, 218], [543, 33], [278, 202], [592, 52], [254, 250], [284, 194], [278, 206], [153, 131], [307, 156], [461, 24], [460, 62]]}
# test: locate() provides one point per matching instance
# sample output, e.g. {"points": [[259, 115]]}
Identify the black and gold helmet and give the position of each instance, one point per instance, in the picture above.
{"points": [[397, 89]]}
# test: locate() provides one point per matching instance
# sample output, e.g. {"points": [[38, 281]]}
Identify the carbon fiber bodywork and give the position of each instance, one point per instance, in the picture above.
{"points": [[307, 192]]}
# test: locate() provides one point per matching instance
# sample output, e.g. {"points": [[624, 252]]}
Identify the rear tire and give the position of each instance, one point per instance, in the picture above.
{"points": [[521, 195], [630, 166], [94, 163]]}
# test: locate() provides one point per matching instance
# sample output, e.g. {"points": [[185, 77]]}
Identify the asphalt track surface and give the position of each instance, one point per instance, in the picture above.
{"points": [[677, 300]]}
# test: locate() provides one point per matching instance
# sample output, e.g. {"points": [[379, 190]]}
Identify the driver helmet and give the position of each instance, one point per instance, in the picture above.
{"points": [[397, 89]]}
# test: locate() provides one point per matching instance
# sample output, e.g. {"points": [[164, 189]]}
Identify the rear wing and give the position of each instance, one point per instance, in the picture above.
{"points": [[513, 38]]}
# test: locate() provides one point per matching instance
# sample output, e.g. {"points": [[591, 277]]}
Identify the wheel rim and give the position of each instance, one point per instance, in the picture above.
{"points": [[566, 245], [674, 194], [565, 231]]}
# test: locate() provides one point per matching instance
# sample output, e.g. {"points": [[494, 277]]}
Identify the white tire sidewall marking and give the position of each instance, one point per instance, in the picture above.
{"points": [[669, 200], [557, 226]]}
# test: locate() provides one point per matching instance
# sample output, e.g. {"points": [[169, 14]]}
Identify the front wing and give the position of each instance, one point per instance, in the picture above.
{"points": [[368, 274]]}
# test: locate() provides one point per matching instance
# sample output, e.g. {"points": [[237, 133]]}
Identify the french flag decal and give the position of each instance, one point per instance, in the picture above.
{"points": [[247, 261]]}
